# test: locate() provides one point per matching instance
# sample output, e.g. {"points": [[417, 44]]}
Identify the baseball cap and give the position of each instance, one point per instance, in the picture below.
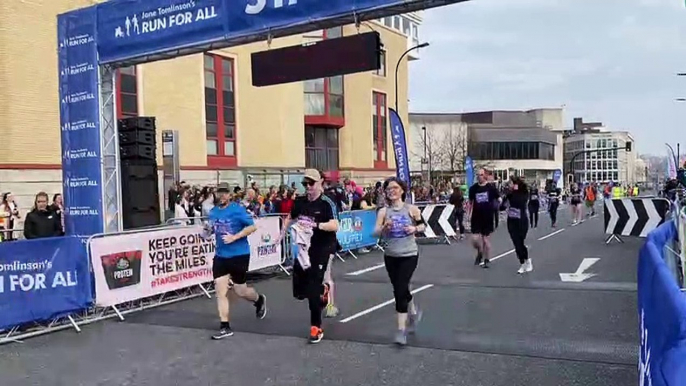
{"points": [[312, 174], [223, 187]]}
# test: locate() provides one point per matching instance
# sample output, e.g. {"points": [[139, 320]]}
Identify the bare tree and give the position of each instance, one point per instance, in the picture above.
{"points": [[453, 148], [429, 150]]}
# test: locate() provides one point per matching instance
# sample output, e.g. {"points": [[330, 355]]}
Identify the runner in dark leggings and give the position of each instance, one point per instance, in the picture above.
{"points": [[517, 222], [534, 206], [553, 201], [397, 224]]}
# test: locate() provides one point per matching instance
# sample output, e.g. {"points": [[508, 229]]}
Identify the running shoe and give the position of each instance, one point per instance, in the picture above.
{"points": [[401, 338], [316, 334], [224, 332], [528, 266], [522, 269], [479, 258], [413, 321], [485, 263], [261, 307]]}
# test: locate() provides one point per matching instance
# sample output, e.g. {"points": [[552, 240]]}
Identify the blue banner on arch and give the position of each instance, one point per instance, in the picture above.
{"points": [[135, 28], [80, 122]]}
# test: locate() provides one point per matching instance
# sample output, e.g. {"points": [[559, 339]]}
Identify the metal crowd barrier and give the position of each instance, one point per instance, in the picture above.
{"points": [[97, 313]]}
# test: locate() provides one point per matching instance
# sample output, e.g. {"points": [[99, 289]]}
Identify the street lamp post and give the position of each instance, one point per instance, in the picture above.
{"points": [[397, 67]]}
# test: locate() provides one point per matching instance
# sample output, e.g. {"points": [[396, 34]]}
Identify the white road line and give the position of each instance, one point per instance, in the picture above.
{"points": [[382, 305], [502, 255], [551, 234], [368, 269]]}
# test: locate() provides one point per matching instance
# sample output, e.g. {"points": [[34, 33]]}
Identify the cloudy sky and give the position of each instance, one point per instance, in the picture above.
{"points": [[612, 61]]}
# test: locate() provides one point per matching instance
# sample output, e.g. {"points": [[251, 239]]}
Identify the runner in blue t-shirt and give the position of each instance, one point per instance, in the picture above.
{"points": [[231, 224]]}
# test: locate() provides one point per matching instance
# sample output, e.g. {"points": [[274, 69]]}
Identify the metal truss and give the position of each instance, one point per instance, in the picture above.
{"points": [[109, 150]]}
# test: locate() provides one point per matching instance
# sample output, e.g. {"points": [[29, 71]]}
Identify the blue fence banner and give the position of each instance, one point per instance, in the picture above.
{"points": [[43, 279], [662, 315], [80, 122], [402, 165], [356, 229], [469, 170]]}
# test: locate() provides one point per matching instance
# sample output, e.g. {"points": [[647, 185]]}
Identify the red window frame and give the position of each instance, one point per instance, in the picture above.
{"points": [[327, 119], [120, 108], [221, 159], [380, 129]]}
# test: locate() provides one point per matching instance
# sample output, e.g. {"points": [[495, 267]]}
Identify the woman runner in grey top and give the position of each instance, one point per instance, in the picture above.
{"points": [[398, 223]]}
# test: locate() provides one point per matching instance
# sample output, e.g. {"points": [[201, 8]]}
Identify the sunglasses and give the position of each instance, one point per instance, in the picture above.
{"points": [[307, 183]]}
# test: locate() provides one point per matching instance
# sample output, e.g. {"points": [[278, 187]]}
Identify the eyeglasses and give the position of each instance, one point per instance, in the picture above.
{"points": [[307, 183]]}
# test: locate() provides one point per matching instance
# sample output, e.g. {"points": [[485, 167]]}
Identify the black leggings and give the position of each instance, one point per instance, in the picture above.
{"points": [[534, 207], [309, 284], [518, 230], [400, 270], [553, 211], [459, 221]]}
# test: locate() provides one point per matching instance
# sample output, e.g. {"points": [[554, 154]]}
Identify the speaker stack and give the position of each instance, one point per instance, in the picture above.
{"points": [[139, 182]]}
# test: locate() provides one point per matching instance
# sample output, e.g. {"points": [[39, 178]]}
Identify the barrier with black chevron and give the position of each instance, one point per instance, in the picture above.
{"points": [[438, 219], [634, 216]]}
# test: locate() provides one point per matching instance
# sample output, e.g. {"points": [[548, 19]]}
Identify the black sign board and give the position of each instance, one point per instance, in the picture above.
{"points": [[329, 57]]}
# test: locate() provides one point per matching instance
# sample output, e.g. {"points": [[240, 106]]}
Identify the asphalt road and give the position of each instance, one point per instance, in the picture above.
{"points": [[481, 327]]}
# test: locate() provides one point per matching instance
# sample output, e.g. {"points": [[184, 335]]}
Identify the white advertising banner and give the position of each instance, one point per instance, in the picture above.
{"points": [[134, 266], [265, 250]]}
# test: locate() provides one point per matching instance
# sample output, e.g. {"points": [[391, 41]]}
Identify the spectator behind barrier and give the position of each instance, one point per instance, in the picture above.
{"points": [[41, 222]]}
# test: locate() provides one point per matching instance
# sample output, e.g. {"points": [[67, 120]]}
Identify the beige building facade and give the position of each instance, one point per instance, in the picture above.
{"points": [[228, 129]]}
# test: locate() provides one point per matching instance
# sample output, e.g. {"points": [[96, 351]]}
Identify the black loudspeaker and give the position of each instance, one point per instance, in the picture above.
{"points": [[137, 124], [135, 136], [140, 194], [136, 152], [137, 140], [139, 183]]}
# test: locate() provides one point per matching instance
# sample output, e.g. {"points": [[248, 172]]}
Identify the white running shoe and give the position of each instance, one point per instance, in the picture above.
{"points": [[522, 269], [528, 265]]}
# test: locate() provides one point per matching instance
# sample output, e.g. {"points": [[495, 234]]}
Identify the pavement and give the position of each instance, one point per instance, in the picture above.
{"points": [[489, 327]]}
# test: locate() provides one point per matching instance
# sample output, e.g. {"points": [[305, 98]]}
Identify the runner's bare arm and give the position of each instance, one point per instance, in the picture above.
{"points": [[420, 225], [380, 217]]}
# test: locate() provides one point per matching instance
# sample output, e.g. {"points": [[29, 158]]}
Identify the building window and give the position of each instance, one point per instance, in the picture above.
{"points": [[127, 92], [516, 151], [220, 110], [379, 124], [321, 148], [382, 70], [324, 97]]}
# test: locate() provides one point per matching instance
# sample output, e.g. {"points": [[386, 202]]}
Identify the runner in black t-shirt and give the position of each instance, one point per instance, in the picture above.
{"points": [[483, 197], [315, 216]]}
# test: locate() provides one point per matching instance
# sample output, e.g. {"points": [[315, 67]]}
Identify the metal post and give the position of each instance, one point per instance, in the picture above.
{"points": [[397, 67], [425, 158]]}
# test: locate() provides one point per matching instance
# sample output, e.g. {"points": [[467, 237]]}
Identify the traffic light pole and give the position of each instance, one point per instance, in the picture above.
{"points": [[627, 148]]}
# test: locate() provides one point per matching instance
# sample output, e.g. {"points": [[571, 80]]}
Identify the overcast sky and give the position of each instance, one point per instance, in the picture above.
{"points": [[612, 61]]}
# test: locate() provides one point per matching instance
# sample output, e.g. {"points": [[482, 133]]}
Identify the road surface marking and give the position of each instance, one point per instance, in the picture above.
{"points": [[580, 274], [368, 269], [551, 234], [502, 255], [382, 305]]}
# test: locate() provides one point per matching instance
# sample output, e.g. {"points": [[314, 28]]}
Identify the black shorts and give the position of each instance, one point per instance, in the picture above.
{"points": [[236, 267], [483, 224], [309, 282]]}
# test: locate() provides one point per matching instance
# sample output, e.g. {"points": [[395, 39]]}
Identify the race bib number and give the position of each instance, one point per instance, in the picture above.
{"points": [[514, 213], [534, 198], [398, 224], [482, 197]]}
